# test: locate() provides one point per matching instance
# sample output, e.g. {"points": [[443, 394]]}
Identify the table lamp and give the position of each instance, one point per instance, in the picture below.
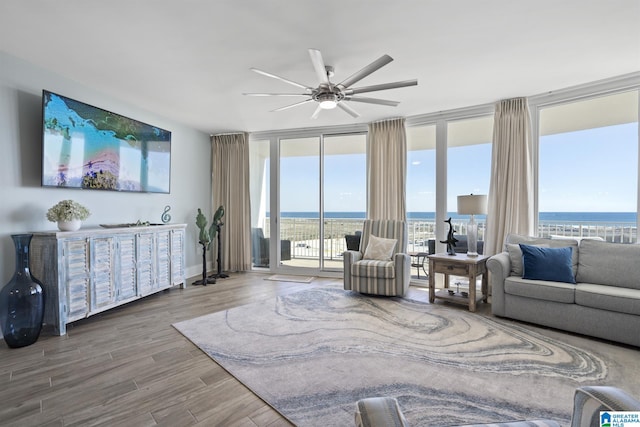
{"points": [[473, 204]]}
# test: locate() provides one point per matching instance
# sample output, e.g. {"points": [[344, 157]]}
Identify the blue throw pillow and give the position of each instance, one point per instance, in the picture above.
{"points": [[553, 264]]}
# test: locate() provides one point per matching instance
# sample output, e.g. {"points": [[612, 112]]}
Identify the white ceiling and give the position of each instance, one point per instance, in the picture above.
{"points": [[189, 60]]}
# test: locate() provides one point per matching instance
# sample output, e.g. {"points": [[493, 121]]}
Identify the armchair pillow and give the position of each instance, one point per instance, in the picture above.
{"points": [[553, 264], [379, 248]]}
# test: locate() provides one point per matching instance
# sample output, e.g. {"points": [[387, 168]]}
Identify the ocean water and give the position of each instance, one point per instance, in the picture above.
{"points": [[574, 217]]}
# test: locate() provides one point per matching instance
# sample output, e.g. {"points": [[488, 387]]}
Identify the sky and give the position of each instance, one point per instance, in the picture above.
{"points": [[591, 170]]}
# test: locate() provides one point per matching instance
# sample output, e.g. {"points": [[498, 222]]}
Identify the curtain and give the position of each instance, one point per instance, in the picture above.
{"points": [[230, 187], [510, 203], [387, 170]]}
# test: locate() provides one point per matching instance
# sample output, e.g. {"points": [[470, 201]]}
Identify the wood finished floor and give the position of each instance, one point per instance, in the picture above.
{"points": [[129, 367]]}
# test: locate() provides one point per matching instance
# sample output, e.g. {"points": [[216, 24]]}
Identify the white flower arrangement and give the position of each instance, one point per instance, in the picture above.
{"points": [[67, 210]]}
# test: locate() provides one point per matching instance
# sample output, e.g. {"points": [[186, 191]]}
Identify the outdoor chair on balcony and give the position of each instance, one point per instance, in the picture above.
{"points": [[260, 248], [353, 241], [381, 266]]}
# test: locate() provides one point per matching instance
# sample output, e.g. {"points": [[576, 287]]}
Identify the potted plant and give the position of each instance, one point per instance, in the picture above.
{"points": [[68, 214]]}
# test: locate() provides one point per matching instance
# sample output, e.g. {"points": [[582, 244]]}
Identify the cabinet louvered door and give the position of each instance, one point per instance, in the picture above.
{"points": [[177, 257], [126, 268], [76, 278], [145, 267], [163, 267], [102, 271]]}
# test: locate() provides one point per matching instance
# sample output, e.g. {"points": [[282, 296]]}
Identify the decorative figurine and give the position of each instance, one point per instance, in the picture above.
{"points": [[217, 222], [165, 214], [451, 241], [206, 236]]}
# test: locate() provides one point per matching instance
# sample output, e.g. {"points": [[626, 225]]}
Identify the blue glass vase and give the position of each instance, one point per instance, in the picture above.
{"points": [[21, 300]]}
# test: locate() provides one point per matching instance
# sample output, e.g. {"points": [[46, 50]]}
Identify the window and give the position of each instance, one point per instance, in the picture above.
{"points": [[468, 165], [421, 186], [588, 168]]}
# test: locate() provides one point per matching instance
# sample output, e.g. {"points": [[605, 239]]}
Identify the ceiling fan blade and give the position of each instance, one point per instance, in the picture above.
{"points": [[371, 100], [273, 76], [286, 107], [359, 75], [349, 110], [318, 65], [276, 94], [383, 86], [315, 113]]}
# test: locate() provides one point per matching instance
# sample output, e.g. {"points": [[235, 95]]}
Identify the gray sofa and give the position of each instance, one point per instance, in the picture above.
{"points": [[587, 404], [604, 302]]}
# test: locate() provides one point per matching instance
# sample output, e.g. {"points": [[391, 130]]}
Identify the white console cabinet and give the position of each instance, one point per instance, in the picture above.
{"points": [[88, 271]]}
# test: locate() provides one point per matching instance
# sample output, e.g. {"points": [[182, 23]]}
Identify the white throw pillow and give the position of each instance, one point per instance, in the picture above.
{"points": [[380, 248]]}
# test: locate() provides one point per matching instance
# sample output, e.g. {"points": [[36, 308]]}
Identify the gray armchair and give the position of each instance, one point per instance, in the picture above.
{"points": [[587, 403], [377, 276]]}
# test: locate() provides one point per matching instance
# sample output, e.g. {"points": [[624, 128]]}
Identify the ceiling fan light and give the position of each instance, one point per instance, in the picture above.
{"points": [[327, 101], [328, 104]]}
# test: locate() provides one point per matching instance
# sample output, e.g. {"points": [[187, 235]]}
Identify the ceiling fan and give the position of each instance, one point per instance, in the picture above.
{"points": [[329, 95]]}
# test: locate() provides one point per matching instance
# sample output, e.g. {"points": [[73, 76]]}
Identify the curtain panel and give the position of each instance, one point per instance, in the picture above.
{"points": [[511, 207], [230, 188], [387, 170]]}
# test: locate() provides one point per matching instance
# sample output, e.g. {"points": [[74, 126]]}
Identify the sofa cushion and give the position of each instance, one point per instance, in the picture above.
{"points": [[373, 268], [612, 298], [614, 264], [540, 289], [542, 242], [547, 264]]}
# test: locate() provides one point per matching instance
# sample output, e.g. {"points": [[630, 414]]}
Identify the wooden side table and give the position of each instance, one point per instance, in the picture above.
{"points": [[458, 265]]}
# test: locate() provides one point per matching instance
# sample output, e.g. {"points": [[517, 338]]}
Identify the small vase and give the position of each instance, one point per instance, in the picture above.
{"points": [[73, 225], [21, 300]]}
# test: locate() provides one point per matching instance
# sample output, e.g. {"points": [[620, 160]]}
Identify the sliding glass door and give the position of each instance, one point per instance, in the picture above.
{"points": [[344, 192], [299, 216], [260, 184], [322, 198]]}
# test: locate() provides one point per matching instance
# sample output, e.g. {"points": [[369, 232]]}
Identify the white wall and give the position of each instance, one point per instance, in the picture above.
{"points": [[23, 202]]}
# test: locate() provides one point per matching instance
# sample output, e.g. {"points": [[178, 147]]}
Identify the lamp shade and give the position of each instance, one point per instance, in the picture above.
{"points": [[472, 204]]}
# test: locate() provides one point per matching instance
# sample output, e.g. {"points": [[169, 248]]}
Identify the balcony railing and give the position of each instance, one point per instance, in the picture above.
{"points": [[305, 244], [622, 232]]}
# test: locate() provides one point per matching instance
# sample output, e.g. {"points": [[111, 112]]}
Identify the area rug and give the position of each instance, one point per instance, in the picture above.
{"points": [[312, 354], [285, 278]]}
